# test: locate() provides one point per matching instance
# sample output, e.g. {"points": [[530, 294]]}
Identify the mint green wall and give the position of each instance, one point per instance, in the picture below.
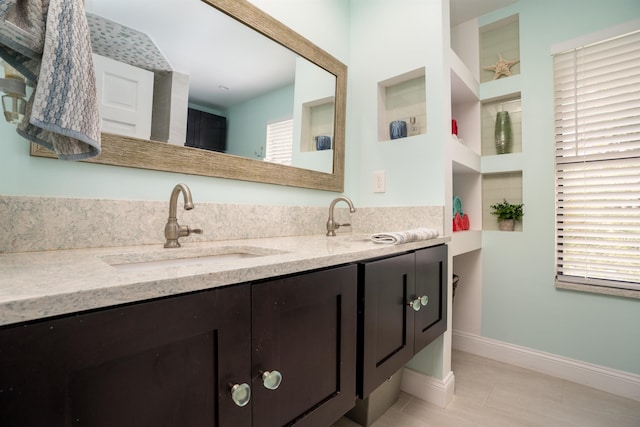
{"points": [[21, 174], [520, 303], [247, 122], [389, 39]]}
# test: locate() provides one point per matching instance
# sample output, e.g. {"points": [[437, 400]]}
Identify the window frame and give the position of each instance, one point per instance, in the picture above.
{"points": [[585, 282], [279, 142]]}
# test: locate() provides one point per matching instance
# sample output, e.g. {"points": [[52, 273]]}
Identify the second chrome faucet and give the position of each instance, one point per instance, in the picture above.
{"points": [[332, 226]]}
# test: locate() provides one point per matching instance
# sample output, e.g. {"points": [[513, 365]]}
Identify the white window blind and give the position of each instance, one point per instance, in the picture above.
{"points": [[597, 138], [279, 142]]}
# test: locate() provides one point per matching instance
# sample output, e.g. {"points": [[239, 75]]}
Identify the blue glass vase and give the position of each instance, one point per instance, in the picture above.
{"points": [[323, 142], [398, 129]]}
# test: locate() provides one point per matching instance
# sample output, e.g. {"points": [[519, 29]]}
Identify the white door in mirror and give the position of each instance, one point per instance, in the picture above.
{"points": [[125, 97]]}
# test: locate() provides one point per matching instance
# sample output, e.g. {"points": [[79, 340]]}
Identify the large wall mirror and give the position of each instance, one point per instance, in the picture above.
{"points": [[219, 67]]}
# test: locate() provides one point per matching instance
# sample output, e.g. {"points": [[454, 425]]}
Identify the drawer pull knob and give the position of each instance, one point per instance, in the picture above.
{"points": [[424, 300]]}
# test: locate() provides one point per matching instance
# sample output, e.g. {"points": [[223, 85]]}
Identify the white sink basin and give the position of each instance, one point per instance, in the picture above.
{"points": [[171, 258]]}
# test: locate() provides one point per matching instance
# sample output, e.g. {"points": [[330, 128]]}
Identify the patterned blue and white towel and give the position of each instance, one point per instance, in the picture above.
{"points": [[413, 235], [49, 43]]}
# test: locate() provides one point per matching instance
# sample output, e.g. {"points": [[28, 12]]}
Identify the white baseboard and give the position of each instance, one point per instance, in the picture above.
{"points": [[427, 388], [612, 381]]}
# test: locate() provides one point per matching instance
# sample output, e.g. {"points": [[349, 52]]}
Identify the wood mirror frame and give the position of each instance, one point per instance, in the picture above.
{"points": [[138, 153]]}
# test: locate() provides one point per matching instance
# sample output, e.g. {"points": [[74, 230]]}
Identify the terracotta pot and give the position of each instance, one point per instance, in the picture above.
{"points": [[507, 224]]}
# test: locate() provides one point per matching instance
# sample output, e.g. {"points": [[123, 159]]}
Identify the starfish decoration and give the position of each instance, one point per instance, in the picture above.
{"points": [[501, 68]]}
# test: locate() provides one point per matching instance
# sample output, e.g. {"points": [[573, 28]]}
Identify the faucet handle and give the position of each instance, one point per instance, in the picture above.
{"points": [[194, 230]]}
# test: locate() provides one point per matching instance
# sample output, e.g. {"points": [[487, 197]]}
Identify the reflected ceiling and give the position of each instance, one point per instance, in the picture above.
{"points": [[193, 45]]}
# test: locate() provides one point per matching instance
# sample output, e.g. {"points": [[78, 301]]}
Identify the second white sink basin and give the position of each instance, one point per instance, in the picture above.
{"points": [[186, 257]]}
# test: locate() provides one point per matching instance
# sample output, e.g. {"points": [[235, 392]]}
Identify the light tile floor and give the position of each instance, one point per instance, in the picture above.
{"points": [[494, 394]]}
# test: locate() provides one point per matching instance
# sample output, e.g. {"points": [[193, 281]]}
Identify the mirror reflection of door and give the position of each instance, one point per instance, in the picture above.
{"points": [[125, 97]]}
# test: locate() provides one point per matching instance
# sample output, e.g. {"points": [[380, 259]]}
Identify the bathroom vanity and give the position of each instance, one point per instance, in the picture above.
{"points": [[207, 344]]}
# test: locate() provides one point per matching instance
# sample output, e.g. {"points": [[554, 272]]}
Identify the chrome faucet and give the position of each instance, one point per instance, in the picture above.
{"points": [[172, 230], [332, 226]]}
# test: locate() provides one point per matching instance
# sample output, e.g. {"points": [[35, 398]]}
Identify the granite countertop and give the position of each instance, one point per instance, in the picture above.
{"points": [[36, 285]]}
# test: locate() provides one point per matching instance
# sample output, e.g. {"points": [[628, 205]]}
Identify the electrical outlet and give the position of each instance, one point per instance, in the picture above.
{"points": [[379, 182]]}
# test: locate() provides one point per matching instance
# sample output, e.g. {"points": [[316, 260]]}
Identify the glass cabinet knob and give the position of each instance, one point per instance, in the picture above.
{"points": [[241, 394], [424, 300], [415, 304], [271, 379]]}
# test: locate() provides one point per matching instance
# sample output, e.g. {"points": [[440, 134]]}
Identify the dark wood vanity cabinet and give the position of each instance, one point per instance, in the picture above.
{"points": [[166, 362], [391, 330], [331, 335], [173, 362]]}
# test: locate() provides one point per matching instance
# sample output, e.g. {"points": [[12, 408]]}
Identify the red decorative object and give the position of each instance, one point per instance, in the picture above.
{"points": [[457, 223], [465, 222], [454, 127]]}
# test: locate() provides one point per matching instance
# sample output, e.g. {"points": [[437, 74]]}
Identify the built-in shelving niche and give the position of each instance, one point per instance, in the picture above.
{"points": [[467, 300], [497, 187], [317, 119], [403, 98], [499, 38], [511, 104], [467, 185]]}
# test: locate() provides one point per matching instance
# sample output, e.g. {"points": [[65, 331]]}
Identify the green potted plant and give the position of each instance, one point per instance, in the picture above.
{"points": [[507, 214]]}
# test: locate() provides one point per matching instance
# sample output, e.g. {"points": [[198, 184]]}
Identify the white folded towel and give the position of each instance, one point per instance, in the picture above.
{"points": [[406, 236]]}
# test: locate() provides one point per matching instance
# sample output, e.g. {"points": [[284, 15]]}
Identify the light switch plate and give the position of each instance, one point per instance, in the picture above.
{"points": [[379, 184]]}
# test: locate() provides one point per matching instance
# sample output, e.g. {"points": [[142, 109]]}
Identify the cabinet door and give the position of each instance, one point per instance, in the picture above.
{"points": [[431, 281], [386, 288], [166, 363], [305, 328]]}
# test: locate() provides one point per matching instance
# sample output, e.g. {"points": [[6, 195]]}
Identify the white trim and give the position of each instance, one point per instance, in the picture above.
{"points": [[613, 381], [428, 388], [587, 39]]}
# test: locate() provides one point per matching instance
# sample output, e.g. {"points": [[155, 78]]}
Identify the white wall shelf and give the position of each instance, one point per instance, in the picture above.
{"points": [[502, 163], [463, 242], [501, 88], [465, 160], [464, 86], [464, 152]]}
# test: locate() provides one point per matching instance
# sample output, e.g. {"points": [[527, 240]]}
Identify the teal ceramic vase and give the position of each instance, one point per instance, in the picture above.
{"points": [[504, 136]]}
